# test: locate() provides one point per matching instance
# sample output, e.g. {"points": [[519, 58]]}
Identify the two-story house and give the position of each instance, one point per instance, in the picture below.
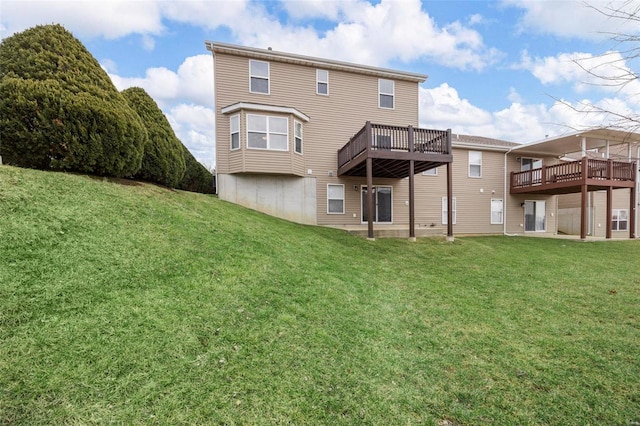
{"points": [[318, 141], [331, 143]]}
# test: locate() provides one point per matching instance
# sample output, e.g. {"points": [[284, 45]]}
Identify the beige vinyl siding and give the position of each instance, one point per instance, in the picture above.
{"points": [[569, 211], [514, 212], [473, 207], [352, 100]]}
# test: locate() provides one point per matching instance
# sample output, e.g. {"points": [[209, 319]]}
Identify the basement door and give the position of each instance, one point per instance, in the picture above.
{"points": [[382, 201], [534, 216]]}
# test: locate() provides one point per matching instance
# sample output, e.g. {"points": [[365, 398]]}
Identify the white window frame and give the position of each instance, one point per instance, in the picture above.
{"points": [[431, 172], [501, 211], [444, 210], [252, 76], [320, 81], [334, 199], [297, 123], [232, 119], [615, 220], [479, 164], [531, 162], [381, 93], [268, 132]]}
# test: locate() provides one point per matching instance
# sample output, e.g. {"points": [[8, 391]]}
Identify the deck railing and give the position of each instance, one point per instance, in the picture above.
{"points": [[395, 138], [573, 171]]}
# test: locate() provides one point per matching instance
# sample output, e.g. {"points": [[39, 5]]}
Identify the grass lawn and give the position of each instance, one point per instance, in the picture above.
{"points": [[134, 304]]}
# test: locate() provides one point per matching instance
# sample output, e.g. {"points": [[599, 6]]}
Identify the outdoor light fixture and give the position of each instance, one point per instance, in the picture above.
{"points": [[522, 204]]}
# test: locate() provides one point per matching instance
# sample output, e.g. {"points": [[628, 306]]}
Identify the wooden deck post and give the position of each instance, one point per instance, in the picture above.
{"points": [[633, 202], [370, 205], [412, 209], [449, 192], [583, 212], [609, 199], [609, 212]]}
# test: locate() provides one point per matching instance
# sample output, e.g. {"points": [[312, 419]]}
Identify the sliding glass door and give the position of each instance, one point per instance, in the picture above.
{"points": [[382, 204], [534, 216]]}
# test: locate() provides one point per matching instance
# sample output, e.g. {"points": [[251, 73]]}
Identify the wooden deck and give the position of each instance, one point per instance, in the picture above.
{"points": [[381, 151], [570, 177], [391, 148]]}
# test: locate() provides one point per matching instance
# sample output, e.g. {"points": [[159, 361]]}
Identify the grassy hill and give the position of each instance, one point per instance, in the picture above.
{"points": [[124, 302]]}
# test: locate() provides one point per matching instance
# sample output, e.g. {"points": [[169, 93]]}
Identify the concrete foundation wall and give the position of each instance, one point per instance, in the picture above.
{"points": [[569, 221], [287, 197]]}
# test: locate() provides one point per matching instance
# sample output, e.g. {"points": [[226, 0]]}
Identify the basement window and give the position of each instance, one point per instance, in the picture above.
{"points": [[619, 219]]}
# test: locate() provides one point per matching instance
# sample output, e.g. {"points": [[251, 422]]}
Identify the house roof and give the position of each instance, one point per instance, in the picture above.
{"points": [[571, 143], [479, 142], [264, 108], [272, 55]]}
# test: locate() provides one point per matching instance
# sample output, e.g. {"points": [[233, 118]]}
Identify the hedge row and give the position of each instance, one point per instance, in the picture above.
{"points": [[59, 110]]}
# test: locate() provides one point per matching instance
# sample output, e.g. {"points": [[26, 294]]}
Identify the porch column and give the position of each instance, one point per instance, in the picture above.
{"points": [[370, 206], [449, 203], [632, 204], [449, 190], [583, 213], [412, 208], [609, 198], [609, 213]]}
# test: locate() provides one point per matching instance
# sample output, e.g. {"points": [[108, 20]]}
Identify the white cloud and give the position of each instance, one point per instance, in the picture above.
{"points": [[585, 72], [109, 19], [362, 32], [576, 19], [442, 108], [194, 125], [192, 82], [514, 96], [373, 34], [315, 9], [186, 98], [206, 14]]}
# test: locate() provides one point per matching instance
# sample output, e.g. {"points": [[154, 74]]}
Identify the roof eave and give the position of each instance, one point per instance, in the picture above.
{"points": [[216, 47]]}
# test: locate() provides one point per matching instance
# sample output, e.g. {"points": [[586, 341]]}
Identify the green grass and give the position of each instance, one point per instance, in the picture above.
{"points": [[135, 304]]}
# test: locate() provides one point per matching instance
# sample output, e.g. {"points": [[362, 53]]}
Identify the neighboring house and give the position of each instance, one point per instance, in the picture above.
{"points": [[581, 171], [325, 142]]}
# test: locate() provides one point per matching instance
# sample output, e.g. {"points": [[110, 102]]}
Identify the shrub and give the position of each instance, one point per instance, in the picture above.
{"points": [[196, 176], [163, 160], [60, 110]]}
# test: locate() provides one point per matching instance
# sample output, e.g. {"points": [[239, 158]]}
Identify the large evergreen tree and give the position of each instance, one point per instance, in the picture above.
{"points": [[196, 176], [60, 110], [163, 160]]}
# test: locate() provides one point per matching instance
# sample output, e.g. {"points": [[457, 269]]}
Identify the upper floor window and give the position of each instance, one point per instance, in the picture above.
{"points": [[530, 164], [475, 164], [267, 132], [322, 82], [297, 136], [258, 76], [386, 93], [235, 131]]}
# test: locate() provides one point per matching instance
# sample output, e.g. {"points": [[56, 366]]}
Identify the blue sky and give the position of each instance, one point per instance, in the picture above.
{"points": [[504, 69]]}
